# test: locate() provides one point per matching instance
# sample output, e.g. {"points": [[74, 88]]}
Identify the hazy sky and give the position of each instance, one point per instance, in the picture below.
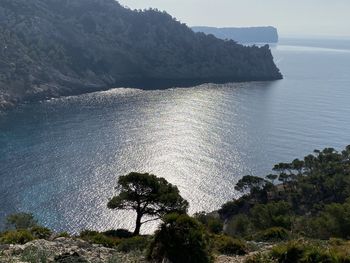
{"points": [[291, 17]]}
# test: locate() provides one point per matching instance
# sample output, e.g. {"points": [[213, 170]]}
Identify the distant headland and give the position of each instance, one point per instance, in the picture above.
{"points": [[52, 48], [266, 34]]}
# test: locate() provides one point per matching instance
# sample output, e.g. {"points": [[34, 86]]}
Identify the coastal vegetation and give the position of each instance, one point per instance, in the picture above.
{"points": [[148, 196], [311, 198], [267, 34], [299, 213], [50, 48]]}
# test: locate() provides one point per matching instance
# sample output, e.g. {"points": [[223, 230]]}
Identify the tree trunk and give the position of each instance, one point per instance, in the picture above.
{"points": [[138, 224]]}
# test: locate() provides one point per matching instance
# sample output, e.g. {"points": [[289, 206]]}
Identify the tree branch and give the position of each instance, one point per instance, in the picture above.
{"points": [[150, 220]]}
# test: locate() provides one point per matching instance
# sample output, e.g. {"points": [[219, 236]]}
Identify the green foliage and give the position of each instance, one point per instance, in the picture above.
{"points": [[20, 236], [212, 223], [240, 225], [137, 243], [99, 238], [274, 214], [260, 258], [35, 255], [147, 195], [272, 234], [119, 233], [63, 234], [85, 42], [231, 208], [252, 184], [40, 232], [27, 222], [332, 221], [180, 239], [229, 246], [21, 221], [311, 199], [214, 226], [302, 252]]}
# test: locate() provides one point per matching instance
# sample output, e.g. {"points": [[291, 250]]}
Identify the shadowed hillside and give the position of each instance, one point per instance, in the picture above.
{"points": [[267, 34], [50, 48]]}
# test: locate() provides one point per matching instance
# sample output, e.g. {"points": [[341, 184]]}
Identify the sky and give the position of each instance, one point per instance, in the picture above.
{"points": [[291, 17]]}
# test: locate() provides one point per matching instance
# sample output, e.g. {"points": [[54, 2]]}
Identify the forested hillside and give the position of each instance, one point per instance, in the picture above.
{"points": [[50, 48], [264, 34]]}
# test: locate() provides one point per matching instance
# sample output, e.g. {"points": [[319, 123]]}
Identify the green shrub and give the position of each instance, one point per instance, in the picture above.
{"points": [[315, 227], [35, 255], [41, 232], [288, 253], [120, 233], [132, 244], [260, 258], [212, 223], [229, 246], [274, 214], [332, 221], [238, 225], [315, 255], [303, 252], [21, 221], [98, 238], [21, 236], [180, 239], [63, 234], [215, 226], [337, 242], [273, 234]]}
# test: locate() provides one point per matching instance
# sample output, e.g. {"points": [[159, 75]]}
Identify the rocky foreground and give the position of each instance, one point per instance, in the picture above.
{"points": [[73, 250], [63, 250]]}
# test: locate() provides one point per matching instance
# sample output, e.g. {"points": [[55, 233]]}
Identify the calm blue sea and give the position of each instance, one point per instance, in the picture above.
{"points": [[60, 159]]}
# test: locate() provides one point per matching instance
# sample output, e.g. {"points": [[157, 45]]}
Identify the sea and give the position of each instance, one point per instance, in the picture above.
{"points": [[60, 159]]}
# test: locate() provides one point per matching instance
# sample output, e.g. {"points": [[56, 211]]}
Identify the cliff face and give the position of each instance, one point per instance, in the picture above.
{"points": [[266, 34], [50, 48]]}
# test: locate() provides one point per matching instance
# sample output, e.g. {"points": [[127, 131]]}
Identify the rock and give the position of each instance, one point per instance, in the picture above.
{"points": [[4, 247], [64, 250], [70, 258]]}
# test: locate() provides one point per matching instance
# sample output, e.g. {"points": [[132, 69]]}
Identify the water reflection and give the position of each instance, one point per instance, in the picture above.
{"points": [[60, 159]]}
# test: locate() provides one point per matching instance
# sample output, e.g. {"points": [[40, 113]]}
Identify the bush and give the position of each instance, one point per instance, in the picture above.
{"points": [[274, 214], [119, 233], [212, 223], [332, 221], [21, 221], [180, 239], [273, 234], [21, 236], [229, 246], [298, 251], [260, 258], [98, 238], [215, 226], [239, 225], [288, 253], [316, 226], [35, 255], [41, 232], [137, 243], [63, 234]]}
